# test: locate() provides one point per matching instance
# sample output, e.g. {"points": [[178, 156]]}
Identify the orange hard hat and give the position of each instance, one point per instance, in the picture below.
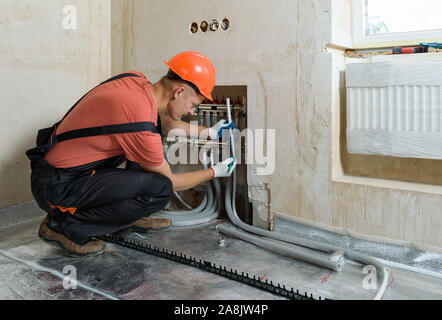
{"points": [[195, 68]]}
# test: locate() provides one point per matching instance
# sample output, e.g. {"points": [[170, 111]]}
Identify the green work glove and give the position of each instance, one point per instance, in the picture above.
{"points": [[224, 168]]}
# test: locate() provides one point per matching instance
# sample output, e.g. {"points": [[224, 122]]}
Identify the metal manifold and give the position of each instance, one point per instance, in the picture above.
{"points": [[208, 266]]}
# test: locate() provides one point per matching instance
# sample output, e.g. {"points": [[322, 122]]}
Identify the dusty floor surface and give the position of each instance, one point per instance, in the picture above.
{"points": [[31, 269]]}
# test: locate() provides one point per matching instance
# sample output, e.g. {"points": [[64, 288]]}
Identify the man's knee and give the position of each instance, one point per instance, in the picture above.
{"points": [[165, 184], [162, 191]]}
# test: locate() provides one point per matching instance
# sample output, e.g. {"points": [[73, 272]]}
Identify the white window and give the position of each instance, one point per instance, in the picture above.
{"points": [[387, 23]]}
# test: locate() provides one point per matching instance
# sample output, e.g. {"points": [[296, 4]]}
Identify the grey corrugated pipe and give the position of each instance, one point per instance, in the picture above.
{"points": [[296, 252], [306, 256], [182, 201], [211, 203]]}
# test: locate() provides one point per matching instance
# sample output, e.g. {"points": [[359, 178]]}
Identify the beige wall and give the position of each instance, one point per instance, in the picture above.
{"points": [[295, 86], [44, 69]]}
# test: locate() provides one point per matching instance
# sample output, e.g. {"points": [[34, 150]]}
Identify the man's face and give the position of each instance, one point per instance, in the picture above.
{"points": [[184, 101]]}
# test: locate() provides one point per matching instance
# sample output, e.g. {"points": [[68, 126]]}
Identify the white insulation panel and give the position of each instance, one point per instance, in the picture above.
{"points": [[395, 109]]}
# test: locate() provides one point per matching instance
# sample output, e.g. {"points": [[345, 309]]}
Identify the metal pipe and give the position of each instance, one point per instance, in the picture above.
{"points": [[199, 142], [215, 107], [207, 121]]}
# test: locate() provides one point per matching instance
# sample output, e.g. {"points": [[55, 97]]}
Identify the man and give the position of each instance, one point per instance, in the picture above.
{"points": [[75, 178]]}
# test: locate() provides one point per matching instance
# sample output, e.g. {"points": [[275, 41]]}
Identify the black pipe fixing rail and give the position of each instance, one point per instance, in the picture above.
{"points": [[242, 277]]}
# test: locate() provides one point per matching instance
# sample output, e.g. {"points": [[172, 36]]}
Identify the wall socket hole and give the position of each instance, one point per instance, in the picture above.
{"points": [[214, 25], [204, 26], [225, 24], [194, 27]]}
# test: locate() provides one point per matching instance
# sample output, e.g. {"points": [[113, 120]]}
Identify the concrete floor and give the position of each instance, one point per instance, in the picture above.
{"points": [[122, 273]]}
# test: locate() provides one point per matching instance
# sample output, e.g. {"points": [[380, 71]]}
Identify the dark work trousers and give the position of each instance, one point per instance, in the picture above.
{"points": [[96, 198], [108, 199]]}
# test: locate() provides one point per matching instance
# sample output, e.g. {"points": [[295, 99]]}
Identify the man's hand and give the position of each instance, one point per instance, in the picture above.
{"points": [[216, 132], [181, 181], [224, 169]]}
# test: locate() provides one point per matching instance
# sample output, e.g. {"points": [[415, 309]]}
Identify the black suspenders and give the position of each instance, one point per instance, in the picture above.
{"points": [[104, 130]]}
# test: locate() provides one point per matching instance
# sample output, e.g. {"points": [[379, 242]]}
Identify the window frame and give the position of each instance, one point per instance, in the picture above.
{"points": [[361, 41]]}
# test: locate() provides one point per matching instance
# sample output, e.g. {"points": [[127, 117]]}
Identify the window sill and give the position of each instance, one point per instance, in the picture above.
{"points": [[391, 44], [389, 184]]}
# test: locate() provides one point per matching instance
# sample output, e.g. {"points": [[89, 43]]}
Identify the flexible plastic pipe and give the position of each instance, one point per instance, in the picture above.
{"points": [[62, 276], [209, 214], [410, 268], [293, 251], [198, 216], [213, 207], [189, 218], [313, 257], [181, 200], [198, 209], [304, 253]]}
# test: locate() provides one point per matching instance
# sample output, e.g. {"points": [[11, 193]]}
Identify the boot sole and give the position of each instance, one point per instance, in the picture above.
{"points": [[57, 244]]}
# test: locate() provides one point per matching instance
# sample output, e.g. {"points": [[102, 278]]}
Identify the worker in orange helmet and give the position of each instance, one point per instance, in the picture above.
{"points": [[76, 166]]}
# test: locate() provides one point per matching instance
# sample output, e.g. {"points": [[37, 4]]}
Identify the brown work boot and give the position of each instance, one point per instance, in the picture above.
{"points": [[151, 225], [91, 248]]}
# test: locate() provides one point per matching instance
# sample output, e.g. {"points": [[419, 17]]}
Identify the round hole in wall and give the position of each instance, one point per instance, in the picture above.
{"points": [[214, 25], [204, 26], [225, 24], [194, 27]]}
